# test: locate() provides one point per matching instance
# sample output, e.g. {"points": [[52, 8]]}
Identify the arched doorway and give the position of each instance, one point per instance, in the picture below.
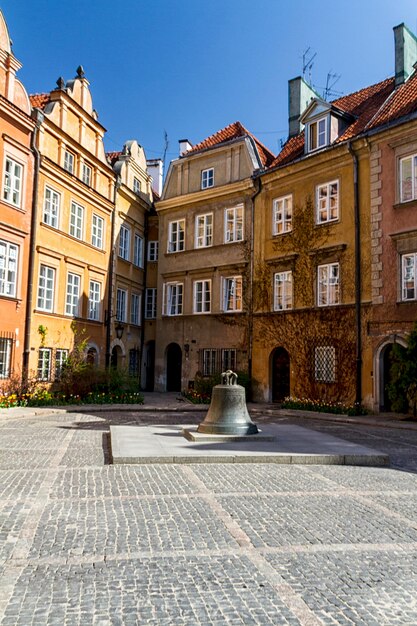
{"points": [[174, 367], [385, 363], [280, 374], [116, 357], [150, 366]]}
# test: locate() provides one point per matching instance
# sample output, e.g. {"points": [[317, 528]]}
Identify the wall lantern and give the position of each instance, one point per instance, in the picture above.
{"points": [[119, 328]]}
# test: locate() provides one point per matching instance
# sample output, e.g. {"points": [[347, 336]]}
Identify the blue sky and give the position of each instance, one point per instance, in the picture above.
{"points": [[190, 67]]}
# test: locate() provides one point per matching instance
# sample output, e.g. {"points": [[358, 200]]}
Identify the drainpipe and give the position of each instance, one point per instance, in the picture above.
{"points": [[258, 186], [358, 289], [111, 275], [38, 116]]}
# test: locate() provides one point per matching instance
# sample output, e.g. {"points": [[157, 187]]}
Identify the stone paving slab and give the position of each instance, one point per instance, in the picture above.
{"points": [[288, 444]]}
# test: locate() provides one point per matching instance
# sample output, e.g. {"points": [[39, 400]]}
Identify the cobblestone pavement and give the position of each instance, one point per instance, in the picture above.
{"points": [[85, 543]]}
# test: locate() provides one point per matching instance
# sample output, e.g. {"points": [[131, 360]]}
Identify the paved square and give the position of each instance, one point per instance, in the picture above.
{"points": [[83, 542]]}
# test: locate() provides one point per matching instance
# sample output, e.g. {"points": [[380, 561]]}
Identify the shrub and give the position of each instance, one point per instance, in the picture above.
{"points": [[307, 404]]}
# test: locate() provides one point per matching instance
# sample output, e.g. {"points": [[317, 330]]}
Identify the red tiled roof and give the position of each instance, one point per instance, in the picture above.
{"points": [[39, 100], [402, 102], [112, 157], [363, 105], [233, 131]]}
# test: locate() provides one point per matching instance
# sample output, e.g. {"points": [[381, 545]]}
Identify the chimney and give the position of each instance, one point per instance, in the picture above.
{"points": [[300, 95], [405, 53], [156, 170], [185, 145]]}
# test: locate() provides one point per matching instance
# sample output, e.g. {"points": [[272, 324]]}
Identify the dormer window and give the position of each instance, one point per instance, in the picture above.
{"points": [[317, 134], [207, 178]]}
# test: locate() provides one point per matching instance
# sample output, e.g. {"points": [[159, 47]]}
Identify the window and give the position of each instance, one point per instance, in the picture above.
{"points": [[86, 174], [46, 283], [150, 304], [152, 250], [51, 207], [408, 276], [135, 309], [325, 364], [408, 178], [136, 185], [328, 291], [94, 300], [173, 294], [73, 294], [282, 215], [121, 300], [283, 291], [69, 162], [207, 178], [233, 224], [209, 362], [124, 243], [92, 356], [317, 134], [61, 357], [97, 229], [76, 220], [138, 251], [228, 360], [44, 363], [204, 231], [5, 357], [232, 293], [327, 202], [8, 268], [134, 362], [202, 296], [13, 179], [176, 234]]}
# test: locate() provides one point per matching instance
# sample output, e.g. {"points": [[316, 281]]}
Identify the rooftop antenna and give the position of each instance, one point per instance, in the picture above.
{"points": [[332, 79], [308, 62], [166, 144]]}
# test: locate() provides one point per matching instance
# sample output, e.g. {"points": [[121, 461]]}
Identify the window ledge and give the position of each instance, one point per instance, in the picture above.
{"points": [[412, 204]]}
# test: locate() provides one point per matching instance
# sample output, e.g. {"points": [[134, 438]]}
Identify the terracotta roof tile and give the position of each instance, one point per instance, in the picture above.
{"points": [[363, 105], [233, 131], [112, 157], [39, 100], [402, 102]]}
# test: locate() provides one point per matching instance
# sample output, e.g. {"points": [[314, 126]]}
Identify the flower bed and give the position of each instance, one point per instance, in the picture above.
{"points": [[46, 398], [323, 406]]}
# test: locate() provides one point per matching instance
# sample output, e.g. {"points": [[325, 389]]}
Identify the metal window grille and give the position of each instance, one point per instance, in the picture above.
{"points": [[325, 364]]}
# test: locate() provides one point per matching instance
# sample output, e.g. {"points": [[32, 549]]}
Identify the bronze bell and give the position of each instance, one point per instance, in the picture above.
{"points": [[228, 414]]}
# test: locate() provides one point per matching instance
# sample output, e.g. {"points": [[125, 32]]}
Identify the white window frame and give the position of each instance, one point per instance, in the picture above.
{"points": [[6, 347], [12, 182], [94, 300], [73, 294], [328, 284], [176, 236], [173, 298], [233, 224], [137, 186], [44, 364], [204, 230], [412, 193], [209, 362], [46, 288], [51, 206], [124, 242], [138, 250], [325, 364], [207, 178], [69, 161], [121, 305], [61, 357], [97, 231], [202, 296], [232, 294], [282, 215], [325, 212], [153, 249], [409, 277], [283, 291], [135, 306], [9, 265], [86, 174], [150, 303], [317, 134], [76, 228]]}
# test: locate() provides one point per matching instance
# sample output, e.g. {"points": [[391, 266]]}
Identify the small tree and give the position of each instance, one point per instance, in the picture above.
{"points": [[402, 390]]}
